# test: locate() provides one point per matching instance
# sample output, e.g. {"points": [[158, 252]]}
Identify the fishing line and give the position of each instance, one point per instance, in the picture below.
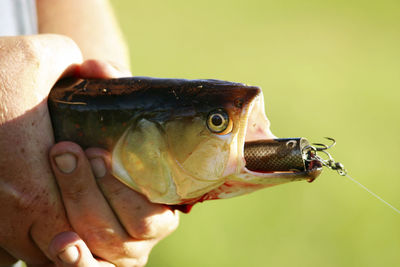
{"points": [[372, 193], [337, 166]]}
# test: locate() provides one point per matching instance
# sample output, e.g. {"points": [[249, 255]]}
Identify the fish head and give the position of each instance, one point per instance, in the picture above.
{"points": [[189, 146]]}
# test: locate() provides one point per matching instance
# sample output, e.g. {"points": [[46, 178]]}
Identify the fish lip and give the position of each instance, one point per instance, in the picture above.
{"points": [[309, 175]]}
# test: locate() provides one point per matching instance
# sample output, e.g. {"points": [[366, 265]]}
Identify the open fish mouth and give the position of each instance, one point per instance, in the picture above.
{"points": [[259, 159], [266, 160]]}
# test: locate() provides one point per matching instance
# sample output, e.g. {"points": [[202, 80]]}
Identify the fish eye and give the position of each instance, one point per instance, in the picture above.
{"points": [[218, 122]]}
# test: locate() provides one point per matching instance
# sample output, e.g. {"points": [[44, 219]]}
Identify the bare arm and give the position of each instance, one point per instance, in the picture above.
{"points": [[90, 23]]}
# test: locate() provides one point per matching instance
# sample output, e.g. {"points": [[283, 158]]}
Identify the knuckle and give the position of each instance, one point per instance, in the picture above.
{"points": [[104, 242], [170, 219], [174, 222], [100, 237], [144, 228], [29, 50], [137, 253], [74, 193], [25, 202], [25, 198], [155, 226], [26, 51], [142, 261], [114, 188]]}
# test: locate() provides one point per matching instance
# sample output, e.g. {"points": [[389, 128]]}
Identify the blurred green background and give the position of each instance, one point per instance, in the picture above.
{"points": [[327, 68]]}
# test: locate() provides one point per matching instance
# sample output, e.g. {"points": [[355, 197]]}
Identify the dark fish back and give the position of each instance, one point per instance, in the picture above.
{"points": [[96, 112]]}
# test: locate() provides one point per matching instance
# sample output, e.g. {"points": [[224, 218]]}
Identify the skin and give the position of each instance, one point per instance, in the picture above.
{"points": [[34, 224]]}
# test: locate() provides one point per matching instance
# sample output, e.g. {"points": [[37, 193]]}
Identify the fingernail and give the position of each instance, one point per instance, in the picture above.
{"points": [[98, 167], [66, 162], [70, 255]]}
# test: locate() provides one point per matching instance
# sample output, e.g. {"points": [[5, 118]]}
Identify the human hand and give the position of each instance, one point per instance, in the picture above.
{"points": [[31, 210], [118, 225]]}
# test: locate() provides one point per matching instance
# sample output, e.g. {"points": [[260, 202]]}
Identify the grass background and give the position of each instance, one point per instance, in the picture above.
{"points": [[327, 68]]}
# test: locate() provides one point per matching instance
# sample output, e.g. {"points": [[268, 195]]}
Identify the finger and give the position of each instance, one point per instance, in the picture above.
{"points": [[101, 70], [69, 250], [141, 219], [87, 210]]}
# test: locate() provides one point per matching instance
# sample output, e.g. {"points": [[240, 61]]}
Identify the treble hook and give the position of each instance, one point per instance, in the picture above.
{"points": [[330, 162], [323, 146]]}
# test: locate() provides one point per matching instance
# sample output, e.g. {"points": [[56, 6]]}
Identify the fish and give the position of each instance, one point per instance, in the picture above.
{"points": [[180, 141]]}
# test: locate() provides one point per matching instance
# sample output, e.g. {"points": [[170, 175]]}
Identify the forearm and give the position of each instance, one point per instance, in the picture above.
{"points": [[90, 23]]}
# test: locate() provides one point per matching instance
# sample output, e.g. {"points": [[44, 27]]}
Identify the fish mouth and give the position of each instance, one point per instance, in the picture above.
{"points": [[266, 159]]}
